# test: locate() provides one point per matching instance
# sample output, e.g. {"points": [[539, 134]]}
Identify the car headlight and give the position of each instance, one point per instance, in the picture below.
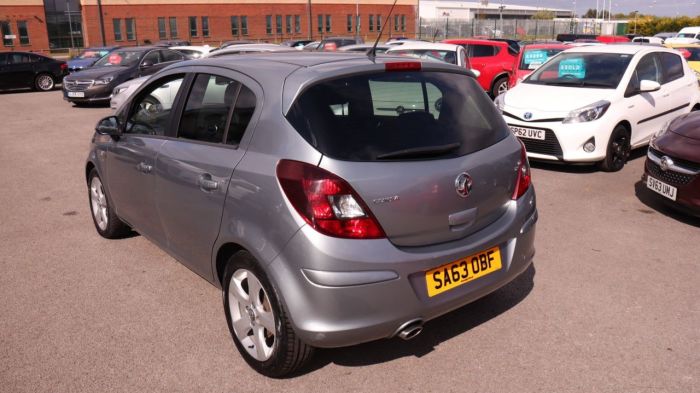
{"points": [[588, 113], [500, 102], [104, 81]]}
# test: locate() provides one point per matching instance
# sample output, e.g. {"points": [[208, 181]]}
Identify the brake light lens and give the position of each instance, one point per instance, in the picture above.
{"points": [[64, 66], [327, 202], [402, 66], [524, 179]]}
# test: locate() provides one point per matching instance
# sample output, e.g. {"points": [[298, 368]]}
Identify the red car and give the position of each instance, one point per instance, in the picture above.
{"points": [[672, 168], [531, 57], [493, 59], [612, 38]]}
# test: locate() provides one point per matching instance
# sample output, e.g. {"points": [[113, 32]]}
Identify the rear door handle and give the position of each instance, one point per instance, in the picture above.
{"points": [[666, 95], [207, 184], [144, 168]]}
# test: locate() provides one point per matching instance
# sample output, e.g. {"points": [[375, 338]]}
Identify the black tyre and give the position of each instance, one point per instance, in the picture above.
{"points": [[107, 223], [257, 320], [618, 150], [44, 82], [500, 86]]}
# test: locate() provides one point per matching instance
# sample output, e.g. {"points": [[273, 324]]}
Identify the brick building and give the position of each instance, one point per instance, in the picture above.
{"points": [[131, 22], [23, 25]]}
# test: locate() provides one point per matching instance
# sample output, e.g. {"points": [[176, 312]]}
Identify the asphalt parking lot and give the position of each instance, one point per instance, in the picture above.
{"points": [[609, 305]]}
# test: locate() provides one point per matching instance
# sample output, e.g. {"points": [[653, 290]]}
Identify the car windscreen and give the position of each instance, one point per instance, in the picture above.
{"points": [[397, 116], [533, 58], [582, 69], [447, 56], [686, 35], [124, 58]]}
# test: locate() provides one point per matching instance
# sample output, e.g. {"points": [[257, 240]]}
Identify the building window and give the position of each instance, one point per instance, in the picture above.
{"points": [[6, 30], [205, 26], [130, 29], [349, 23], [173, 26], [396, 22], [371, 22], [278, 24], [193, 26], [23, 32], [328, 23], [162, 34], [403, 22], [297, 24], [234, 26], [117, 29], [244, 25], [288, 25], [320, 23], [379, 23], [268, 24]]}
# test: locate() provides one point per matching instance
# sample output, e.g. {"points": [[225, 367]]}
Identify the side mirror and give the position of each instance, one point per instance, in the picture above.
{"points": [[108, 126], [146, 64], [647, 86]]}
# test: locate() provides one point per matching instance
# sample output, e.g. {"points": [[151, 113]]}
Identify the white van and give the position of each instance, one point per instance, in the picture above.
{"points": [[687, 35]]}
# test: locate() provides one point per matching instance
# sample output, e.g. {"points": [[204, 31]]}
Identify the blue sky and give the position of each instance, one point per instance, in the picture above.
{"points": [[651, 7]]}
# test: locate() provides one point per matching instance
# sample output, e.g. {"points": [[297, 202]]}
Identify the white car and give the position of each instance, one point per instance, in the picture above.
{"points": [[241, 49], [648, 40], [161, 96], [448, 53], [596, 103], [687, 35], [193, 52]]}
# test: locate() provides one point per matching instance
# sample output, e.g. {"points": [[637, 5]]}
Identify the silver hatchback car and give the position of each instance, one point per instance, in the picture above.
{"points": [[336, 199]]}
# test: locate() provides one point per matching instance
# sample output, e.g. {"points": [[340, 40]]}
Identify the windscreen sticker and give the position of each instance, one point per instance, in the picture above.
{"points": [[572, 68], [115, 59], [534, 58]]}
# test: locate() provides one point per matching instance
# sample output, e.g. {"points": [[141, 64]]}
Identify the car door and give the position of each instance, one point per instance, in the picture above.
{"points": [[131, 160], [479, 57], [19, 71], [4, 73], [195, 168], [645, 108], [676, 85]]}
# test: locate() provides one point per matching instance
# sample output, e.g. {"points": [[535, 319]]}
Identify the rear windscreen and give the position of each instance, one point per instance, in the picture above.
{"points": [[397, 115]]}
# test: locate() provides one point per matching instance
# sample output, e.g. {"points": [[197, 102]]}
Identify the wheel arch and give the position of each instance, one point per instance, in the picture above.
{"points": [[88, 168], [223, 254], [504, 74]]}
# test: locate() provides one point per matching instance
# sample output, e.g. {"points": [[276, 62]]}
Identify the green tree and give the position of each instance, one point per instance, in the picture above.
{"points": [[543, 14]]}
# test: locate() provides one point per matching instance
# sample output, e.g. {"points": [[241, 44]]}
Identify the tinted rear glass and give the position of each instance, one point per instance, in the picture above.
{"points": [[370, 117]]}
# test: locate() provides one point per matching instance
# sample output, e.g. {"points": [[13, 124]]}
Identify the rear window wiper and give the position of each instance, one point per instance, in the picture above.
{"points": [[417, 152]]}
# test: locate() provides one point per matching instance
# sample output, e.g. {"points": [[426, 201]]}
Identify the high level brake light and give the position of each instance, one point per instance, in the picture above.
{"points": [[327, 202], [402, 66], [522, 182]]}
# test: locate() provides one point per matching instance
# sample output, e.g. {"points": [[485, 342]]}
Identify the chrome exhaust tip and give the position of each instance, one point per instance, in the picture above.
{"points": [[410, 329]]}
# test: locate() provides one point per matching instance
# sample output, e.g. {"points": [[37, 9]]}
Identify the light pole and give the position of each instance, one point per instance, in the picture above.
{"points": [[70, 24], [635, 21], [500, 16]]}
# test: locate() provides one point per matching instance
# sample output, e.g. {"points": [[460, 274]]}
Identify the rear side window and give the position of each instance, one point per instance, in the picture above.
{"points": [[397, 116], [672, 66], [483, 50], [169, 55]]}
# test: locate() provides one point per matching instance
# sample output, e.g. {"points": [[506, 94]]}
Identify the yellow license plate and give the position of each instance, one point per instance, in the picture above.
{"points": [[454, 274]]}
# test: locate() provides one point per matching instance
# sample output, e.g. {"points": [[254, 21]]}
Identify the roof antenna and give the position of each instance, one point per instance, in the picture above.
{"points": [[372, 53]]}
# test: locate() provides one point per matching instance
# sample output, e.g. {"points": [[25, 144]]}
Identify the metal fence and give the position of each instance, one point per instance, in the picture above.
{"points": [[523, 29]]}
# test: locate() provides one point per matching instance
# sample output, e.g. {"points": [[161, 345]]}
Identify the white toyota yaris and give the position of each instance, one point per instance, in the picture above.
{"points": [[597, 103]]}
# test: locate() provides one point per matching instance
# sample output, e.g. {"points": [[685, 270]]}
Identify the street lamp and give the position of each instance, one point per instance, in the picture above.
{"points": [[500, 15], [635, 21]]}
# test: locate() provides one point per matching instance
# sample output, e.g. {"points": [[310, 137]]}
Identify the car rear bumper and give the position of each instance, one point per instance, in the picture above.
{"points": [[342, 292]]}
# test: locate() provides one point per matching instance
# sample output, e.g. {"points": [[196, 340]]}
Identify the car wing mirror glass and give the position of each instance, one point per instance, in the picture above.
{"points": [[108, 126], [146, 64], [647, 86]]}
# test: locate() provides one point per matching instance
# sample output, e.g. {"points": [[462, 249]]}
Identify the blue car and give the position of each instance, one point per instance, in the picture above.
{"points": [[88, 57]]}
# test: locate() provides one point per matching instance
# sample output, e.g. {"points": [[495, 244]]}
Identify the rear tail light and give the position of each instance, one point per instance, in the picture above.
{"points": [[522, 182], [64, 66], [327, 202]]}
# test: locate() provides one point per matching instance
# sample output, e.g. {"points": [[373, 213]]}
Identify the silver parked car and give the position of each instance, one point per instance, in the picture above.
{"points": [[335, 199]]}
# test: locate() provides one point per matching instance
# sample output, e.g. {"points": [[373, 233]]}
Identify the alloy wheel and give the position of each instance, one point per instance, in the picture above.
{"points": [[45, 82], [98, 202], [252, 316]]}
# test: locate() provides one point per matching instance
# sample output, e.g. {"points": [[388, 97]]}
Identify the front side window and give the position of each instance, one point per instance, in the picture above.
{"points": [[6, 30], [150, 113], [206, 114], [23, 32], [385, 116], [162, 34], [173, 27], [205, 26], [193, 26], [580, 69], [117, 25], [130, 29], [171, 55], [672, 66]]}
